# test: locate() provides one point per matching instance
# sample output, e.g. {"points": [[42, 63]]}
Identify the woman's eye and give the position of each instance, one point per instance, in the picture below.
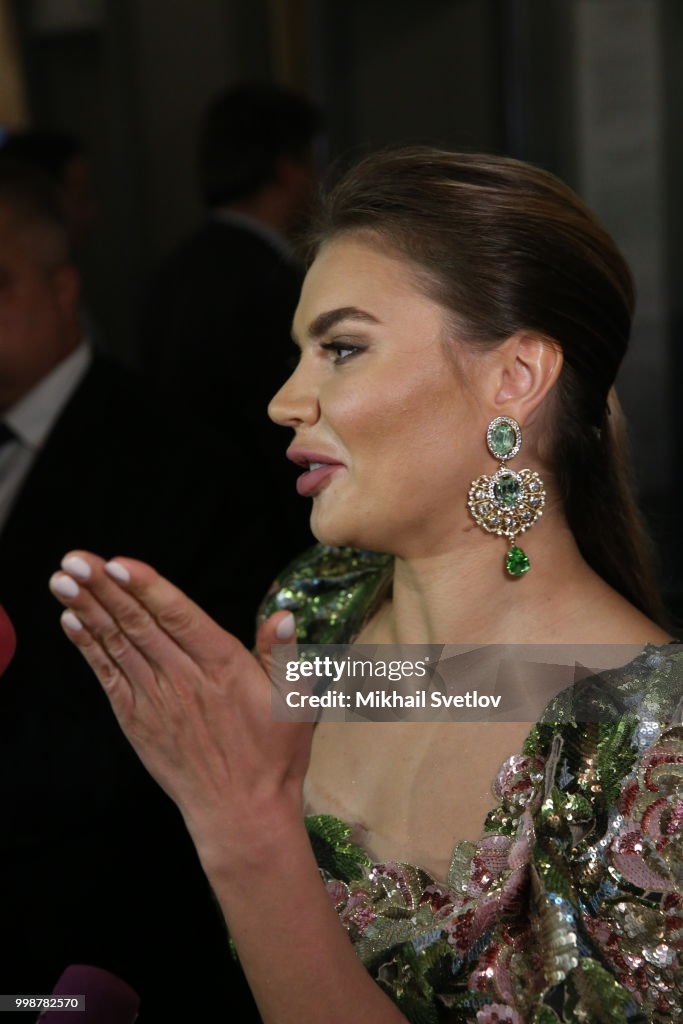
{"points": [[342, 347]]}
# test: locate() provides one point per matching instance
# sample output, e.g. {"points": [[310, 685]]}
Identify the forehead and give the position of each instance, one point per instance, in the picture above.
{"points": [[351, 271], [28, 244]]}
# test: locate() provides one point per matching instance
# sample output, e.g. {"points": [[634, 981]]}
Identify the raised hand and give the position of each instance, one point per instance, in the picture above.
{"points": [[193, 701], [196, 705]]}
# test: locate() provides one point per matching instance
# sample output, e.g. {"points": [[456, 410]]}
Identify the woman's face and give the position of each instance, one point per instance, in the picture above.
{"points": [[375, 393]]}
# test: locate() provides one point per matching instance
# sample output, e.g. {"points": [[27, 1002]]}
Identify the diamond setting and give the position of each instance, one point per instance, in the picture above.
{"points": [[506, 489], [504, 509], [504, 438]]}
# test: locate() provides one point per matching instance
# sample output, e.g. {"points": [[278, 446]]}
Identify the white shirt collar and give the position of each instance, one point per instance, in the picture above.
{"points": [[226, 215], [32, 417]]}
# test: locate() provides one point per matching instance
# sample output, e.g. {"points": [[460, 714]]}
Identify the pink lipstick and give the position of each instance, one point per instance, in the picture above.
{"points": [[319, 468]]}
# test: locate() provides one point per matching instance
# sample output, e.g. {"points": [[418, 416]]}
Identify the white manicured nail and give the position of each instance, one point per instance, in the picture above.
{"points": [[77, 566], [65, 586], [117, 572], [71, 621], [285, 627]]}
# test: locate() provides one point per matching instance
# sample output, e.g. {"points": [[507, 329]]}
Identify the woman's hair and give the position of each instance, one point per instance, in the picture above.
{"points": [[505, 247]]}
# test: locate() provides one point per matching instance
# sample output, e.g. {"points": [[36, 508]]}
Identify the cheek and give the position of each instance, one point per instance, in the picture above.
{"points": [[406, 472], [404, 441], [27, 329], [15, 324]]}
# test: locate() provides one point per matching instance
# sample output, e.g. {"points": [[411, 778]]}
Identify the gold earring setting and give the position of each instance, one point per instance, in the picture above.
{"points": [[508, 502]]}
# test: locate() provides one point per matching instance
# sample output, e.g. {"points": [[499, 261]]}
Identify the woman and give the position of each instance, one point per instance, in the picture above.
{"points": [[452, 303]]}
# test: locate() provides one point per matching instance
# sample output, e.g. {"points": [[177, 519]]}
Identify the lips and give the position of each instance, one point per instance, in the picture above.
{"points": [[319, 468]]}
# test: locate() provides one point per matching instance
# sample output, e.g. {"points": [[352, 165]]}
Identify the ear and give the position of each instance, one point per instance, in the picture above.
{"points": [[527, 368]]}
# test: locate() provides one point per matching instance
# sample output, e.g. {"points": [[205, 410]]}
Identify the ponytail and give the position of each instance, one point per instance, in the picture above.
{"points": [[596, 482]]}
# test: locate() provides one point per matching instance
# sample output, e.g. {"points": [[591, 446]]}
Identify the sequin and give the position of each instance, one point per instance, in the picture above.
{"points": [[569, 908]]}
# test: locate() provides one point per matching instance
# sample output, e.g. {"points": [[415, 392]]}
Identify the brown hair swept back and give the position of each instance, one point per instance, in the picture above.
{"points": [[504, 246]]}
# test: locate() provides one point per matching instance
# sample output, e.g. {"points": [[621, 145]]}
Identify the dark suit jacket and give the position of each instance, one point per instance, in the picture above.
{"points": [[216, 337], [95, 863]]}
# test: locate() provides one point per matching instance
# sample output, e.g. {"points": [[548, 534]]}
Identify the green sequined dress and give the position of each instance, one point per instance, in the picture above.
{"points": [[569, 908]]}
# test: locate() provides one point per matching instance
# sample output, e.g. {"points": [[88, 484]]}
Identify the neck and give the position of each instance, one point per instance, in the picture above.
{"points": [[463, 594]]}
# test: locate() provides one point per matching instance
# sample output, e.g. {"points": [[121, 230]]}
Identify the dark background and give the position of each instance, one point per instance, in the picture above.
{"points": [[590, 89]]}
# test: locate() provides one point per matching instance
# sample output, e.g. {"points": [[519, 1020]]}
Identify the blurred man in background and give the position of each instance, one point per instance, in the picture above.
{"points": [[62, 157], [217, 319], [96, 866]]}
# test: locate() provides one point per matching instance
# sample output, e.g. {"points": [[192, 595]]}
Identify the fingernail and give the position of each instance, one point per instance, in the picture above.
{"points": [[71, 621], [285, 627], [117, 572], [65, 586], [77, 566]]}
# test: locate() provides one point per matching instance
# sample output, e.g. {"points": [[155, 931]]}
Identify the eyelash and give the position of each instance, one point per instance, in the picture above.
{"points": [[341, 346]]}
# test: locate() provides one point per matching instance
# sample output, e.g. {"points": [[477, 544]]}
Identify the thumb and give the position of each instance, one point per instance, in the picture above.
{"points": [[278, 629], [275, 649]]}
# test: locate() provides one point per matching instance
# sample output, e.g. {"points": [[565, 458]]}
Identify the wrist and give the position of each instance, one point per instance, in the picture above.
{"points": [[239, 846]]}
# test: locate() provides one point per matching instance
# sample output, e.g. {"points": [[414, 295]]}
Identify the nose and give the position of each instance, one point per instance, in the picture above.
{"points": [[296, 402]]}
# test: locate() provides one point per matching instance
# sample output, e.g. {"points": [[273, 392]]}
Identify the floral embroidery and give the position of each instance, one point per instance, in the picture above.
{"points": [[569, 907]]}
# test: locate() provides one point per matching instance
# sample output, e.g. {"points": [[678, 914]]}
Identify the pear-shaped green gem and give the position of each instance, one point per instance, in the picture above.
{"points": [[502, 439], [506, 490], [517, 561]]}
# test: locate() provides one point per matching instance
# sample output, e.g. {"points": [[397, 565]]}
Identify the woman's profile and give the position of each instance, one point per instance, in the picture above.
{"points": [[460, 329]]}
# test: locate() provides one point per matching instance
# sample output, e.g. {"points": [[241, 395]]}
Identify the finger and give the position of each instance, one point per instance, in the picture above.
{"points": [[133, 620], [113, 681], [134, 592], [101, 628], [147, 699]]}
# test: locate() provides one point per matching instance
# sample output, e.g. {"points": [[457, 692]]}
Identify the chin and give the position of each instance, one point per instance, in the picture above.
{"points": [[335, 538], [339, 534], [332, 530]]}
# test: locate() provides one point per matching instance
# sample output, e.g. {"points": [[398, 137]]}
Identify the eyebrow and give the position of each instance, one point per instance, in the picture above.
{"points": [[322, 323]]}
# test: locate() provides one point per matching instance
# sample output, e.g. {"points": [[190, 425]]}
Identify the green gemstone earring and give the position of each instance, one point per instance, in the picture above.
{"points": [[508, 502]]}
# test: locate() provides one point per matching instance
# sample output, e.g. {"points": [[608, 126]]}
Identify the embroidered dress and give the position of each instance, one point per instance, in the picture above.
{"points": [[569, 908]]}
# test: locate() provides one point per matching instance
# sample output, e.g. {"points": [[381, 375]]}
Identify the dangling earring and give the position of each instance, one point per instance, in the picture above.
{"points": [[508, 502]]}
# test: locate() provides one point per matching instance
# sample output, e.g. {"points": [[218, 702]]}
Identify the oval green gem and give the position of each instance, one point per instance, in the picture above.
{"points": [[517, 561], [506, 490], [503, 439]]}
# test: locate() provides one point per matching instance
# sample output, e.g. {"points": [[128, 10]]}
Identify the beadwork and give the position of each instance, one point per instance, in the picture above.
{"points": [[507, 503]]}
